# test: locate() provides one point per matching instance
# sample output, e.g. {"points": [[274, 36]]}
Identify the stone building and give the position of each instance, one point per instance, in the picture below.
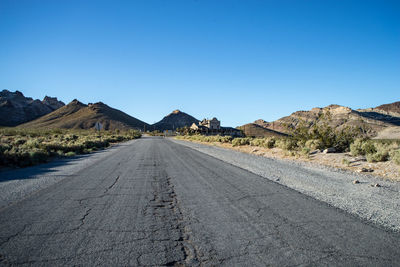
{"points": [[212, 124], [213, 127]]}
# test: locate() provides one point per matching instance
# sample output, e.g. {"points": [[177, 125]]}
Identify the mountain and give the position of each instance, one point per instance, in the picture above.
{"points": [[77, 115], [15, 108], [372, 121], [176, 119]]}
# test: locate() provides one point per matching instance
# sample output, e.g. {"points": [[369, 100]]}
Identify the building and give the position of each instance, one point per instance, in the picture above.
{"points": [[213, 127], [212, 124]]}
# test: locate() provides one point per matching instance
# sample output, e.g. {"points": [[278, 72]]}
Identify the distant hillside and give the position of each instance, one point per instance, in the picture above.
{"points": [[371, 121], [15, 108], [174, 120], [77, 115], [255, 130], [392, 109]]}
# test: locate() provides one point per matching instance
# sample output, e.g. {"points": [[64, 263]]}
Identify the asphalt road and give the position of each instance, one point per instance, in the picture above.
{"points": [[156, 202]]}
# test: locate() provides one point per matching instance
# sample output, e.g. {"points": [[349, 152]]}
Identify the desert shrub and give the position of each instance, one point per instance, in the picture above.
{"points": [[305, 151], [70, 154], [207, 138], [96, 143], [327, 136], [19, 141], [241, 141], [226, 139], [31, 143], [377, 157], [356, 148], [346, 162], [257, 142], [38, 156], [395, 156], [4, 147], [374, 150], [368, 147], [314, 144], [362, 147], [286, 143], [270, 142]]}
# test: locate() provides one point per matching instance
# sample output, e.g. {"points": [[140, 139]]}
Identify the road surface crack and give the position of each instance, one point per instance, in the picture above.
{"points": [[170, 226], [112, 185]]}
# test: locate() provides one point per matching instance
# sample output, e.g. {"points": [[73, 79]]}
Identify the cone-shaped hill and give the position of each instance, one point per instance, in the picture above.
{"points": [[77, 115], [174, 120]]}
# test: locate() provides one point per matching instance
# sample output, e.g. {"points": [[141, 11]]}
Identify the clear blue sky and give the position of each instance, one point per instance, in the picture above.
{"points": [[236, 60]]}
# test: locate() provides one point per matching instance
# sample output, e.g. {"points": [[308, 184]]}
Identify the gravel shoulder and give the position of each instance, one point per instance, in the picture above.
{"points": [[16, 184], [379, 205]]}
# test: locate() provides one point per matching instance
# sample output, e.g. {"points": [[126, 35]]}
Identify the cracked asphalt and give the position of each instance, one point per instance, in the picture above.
{"points": [[156, 203]]}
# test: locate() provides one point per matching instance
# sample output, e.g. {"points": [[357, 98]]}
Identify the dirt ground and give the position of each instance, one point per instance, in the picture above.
{"points": [[386, 170]]}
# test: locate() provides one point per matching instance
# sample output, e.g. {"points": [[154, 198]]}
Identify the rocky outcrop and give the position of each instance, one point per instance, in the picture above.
{"points": [[52, 102], [15, 108]]}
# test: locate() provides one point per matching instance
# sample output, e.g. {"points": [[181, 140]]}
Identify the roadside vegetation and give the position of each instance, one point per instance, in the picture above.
{"points": [[377, 150], [26, 147], [306, 140], [155, 133]]}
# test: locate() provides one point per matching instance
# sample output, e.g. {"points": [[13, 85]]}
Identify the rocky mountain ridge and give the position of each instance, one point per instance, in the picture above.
{"points": [[15, 108], [371, 121]]}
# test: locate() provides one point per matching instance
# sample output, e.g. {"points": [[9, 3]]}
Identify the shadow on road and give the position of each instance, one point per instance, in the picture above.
{"points": [[35, 171]]}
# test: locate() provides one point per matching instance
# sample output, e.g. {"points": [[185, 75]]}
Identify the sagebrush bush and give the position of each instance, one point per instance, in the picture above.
{"points": [[241, 141], [207, 138], [395, 156], [270, 142], [257, 142], [377, 157], [38, 156], [368, 147], [305, 151], [286, 143], [314, 144], [373, 150], [346, 162], [356, 148]]}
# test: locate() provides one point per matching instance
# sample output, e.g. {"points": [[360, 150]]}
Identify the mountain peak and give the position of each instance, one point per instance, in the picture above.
{"points": [[176, 111], [176, 119], [52, 102], [76, 102]]}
